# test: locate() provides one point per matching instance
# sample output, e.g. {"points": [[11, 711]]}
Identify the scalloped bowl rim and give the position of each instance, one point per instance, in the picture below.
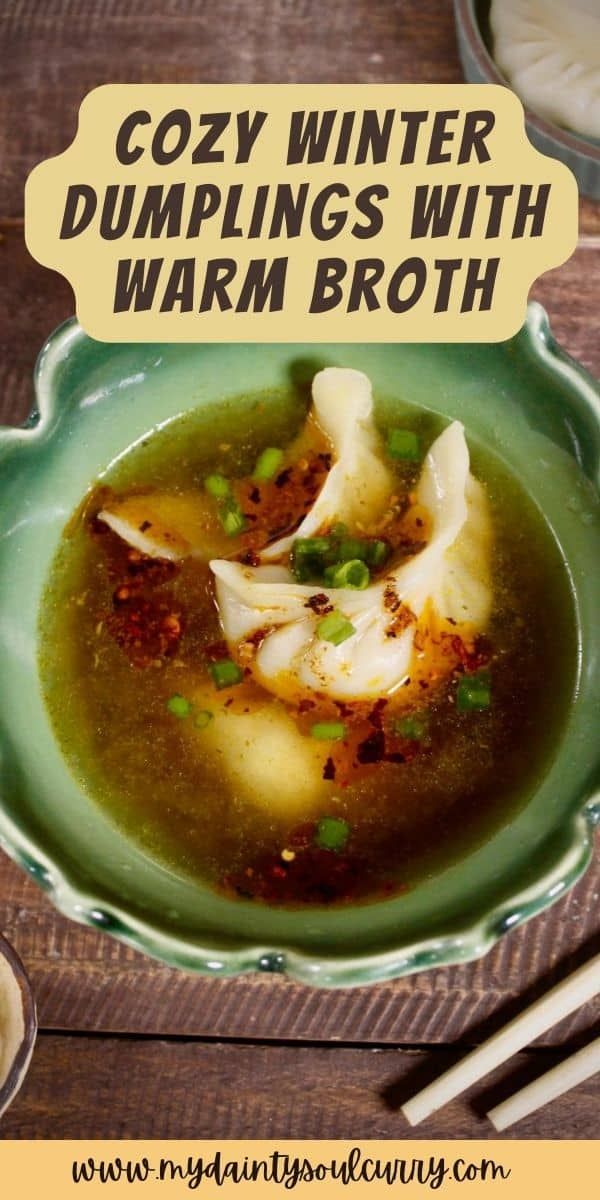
{"points": [[328, 970]]}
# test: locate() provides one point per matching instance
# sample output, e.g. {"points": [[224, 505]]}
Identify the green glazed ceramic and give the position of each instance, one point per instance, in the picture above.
{"points": [[525, 399]]}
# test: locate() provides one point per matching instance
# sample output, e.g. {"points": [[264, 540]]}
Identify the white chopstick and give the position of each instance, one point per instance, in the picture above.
{"points": [[563, 999], [554, 1083]]}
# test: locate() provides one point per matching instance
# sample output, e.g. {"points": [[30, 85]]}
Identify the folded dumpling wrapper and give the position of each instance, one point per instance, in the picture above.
{"points": [[181, 525], [263, 754], [359, 484], [166, 525], [550, 53], [450, 576]]}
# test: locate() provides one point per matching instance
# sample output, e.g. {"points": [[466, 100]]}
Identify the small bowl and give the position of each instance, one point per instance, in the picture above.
{"points": [[534, 407], [18, 1024], [581, 154]]}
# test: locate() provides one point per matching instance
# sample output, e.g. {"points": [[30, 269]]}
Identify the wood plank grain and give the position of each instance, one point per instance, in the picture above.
{"points": [[34, 300], [84, 980], [53, 54], [113, 1088]]}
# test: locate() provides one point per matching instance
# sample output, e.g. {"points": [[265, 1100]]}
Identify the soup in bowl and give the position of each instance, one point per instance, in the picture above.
{"points": [[300, 640]]}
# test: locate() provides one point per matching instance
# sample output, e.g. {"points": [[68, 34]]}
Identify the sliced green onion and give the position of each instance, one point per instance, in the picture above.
{"points": [[179, 706], [313, 546], [203, 718], [217, 486], [350, 548], [353, 574], [317, 557], [225, 673], [268, 464], [377, 553], [332, 833], [474, 692], [335, 628], [403, 443], [373, 551], [328, 731], [232, 519], [413, 727], [309, 557], [339, 530]]}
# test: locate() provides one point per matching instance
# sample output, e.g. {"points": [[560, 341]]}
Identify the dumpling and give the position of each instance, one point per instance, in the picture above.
{"points": [[450, 578], [550, 54], [265, 758], [356, 489], [166, 525], [359, 484]]}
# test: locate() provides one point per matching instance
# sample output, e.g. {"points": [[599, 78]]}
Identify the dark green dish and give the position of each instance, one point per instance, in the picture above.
{"points": [[525, 399]]}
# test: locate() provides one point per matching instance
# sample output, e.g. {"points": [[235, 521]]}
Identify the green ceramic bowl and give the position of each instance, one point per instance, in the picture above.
{"points": [[535, 408]]}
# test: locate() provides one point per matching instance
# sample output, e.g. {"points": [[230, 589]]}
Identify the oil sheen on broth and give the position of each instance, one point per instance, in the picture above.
{"points": [[264, 778]]}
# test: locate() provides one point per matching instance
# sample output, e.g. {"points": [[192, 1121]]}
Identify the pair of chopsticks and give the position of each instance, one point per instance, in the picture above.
{"points": [[563, 999]]}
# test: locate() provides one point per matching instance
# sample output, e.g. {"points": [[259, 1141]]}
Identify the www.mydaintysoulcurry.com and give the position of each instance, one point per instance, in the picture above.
{"points": [[288, 1171]]}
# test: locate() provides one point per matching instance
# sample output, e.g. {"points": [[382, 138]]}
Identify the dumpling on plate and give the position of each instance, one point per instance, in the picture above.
{"points": [[550, 53]]}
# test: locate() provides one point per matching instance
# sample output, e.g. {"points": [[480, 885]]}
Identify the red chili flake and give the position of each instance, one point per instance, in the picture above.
{"points": [[249, 558], [329, 769], [419, 640], [151, 571], [228, 702], [254, 496], [372, 749], [172, 625], [283, 477], [471, 658], [306, 705], [122, 594], [408, 547], [319, 603], [313, 876], [145, 525], [403, 617], [376, 714], [257, 637], [391, 600], [145, 629]]}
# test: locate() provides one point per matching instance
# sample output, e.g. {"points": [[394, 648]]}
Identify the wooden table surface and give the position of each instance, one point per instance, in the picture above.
{"points": [[128, 1047]]}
